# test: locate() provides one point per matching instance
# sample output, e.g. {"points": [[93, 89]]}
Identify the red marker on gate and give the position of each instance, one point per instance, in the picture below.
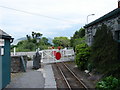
{"points": [[54, 53], [58, 55], [59, 48]]}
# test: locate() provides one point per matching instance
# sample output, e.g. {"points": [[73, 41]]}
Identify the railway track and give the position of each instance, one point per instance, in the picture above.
{"points": [[72, 81]]}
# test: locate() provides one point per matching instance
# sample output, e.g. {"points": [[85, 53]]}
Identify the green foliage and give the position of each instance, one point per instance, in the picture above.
{"points": [[109, 83], [28, 37], [61, 41], [32, 43], [82, 55], [25, 45], [81, 49], [104, 51], [45, 41], [79, 41], [79, 34], [77, 38], [36, 35]]}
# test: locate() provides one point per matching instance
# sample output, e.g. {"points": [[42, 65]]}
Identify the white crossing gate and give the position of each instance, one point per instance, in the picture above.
{"points": [[49, 56]]}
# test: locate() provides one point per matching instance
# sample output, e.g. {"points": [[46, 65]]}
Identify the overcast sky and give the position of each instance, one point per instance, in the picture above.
{"points": [[52, 18]]}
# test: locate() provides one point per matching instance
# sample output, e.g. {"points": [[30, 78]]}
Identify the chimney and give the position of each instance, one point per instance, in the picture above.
{"points": [[118, 3]]}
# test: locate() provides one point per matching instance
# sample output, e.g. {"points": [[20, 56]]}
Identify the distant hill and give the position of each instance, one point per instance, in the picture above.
{"points": [[50, 41], [15, 42]]}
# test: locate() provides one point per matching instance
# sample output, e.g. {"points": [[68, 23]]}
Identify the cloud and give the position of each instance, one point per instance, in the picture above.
{"points": [[70, 14]]}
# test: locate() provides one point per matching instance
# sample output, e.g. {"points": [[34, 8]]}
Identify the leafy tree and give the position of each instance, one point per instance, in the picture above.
{"points": [[78, 41], [31, 43], [28, 37], [30, 46], [33, 34], [79, 34], [45, 40], [61, 41], [36, 35], [77, 38]]}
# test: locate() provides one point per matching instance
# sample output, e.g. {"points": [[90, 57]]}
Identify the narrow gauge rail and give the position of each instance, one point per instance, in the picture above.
{"points": [[72, 81]]}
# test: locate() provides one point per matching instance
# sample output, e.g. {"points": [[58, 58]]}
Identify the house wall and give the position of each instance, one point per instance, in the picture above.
{"points": [[113, 22]]}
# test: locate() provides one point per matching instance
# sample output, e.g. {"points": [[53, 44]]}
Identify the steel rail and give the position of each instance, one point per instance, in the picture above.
{"points": [[76, 76], [64, 77]]}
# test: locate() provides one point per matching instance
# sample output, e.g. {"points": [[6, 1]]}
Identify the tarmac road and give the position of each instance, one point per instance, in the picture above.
{"points": [[29, 79]]}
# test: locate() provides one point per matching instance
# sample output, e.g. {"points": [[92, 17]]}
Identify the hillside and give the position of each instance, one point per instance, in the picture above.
{"points": [[15, 42]]}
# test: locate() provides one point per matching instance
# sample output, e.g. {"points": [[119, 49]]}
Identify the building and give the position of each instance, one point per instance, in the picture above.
{"points": [[5, 59], [111, 19]]}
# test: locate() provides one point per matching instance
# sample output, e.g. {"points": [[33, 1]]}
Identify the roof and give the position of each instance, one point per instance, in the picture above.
{"points": [[111, 14], [4, 34]]}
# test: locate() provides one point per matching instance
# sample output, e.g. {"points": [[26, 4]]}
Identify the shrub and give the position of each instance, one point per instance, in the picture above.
{"points": [[104, 51], [109, 83], [82, 55]]}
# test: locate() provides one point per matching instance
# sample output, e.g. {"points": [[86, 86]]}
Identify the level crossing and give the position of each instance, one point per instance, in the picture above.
{"points": [[49, 56]]}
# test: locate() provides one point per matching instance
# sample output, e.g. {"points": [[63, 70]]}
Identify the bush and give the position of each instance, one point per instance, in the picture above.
{"points": [[104, 51], [82, 55], [109, 83]]}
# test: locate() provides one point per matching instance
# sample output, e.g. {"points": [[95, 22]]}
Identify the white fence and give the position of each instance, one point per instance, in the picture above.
{"points": [[48, 56]]}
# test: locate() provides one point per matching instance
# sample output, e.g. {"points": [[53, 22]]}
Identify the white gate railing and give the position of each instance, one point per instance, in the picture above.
{"points": [[48, 56]]}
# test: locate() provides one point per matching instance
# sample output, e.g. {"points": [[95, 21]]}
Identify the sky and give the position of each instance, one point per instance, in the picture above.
{"points": [[52, 18]]}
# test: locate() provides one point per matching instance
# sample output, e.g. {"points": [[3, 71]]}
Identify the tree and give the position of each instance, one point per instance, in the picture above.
{"points": [[36, 35], [77, 38], [28, 37], [31, 43], [33, 34], [61, 41], [79, 34], [45, 40], [30, 46]]}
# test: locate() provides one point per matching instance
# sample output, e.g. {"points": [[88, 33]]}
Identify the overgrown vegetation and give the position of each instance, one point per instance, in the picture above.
{"points": [[82, 56], [109, 83], [82, 50], [61, 41], [78, 38], [32, 43], [105, 52], [103, 57]]}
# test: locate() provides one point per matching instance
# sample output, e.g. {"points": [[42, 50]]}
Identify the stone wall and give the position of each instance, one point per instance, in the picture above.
{"points": [[114, 23], [17, 64]]}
